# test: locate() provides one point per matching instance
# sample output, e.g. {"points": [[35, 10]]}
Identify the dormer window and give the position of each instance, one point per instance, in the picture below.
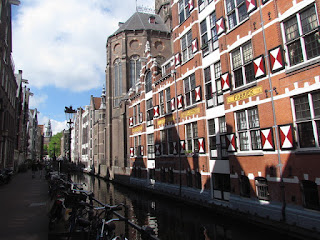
{"points": [[152, 20]]}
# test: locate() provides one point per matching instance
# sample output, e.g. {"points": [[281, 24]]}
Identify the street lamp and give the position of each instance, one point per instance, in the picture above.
{"points": [[70, 114]]}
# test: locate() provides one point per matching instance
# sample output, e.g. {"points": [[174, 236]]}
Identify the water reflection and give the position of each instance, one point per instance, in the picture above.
{"points": [[172, 219]]}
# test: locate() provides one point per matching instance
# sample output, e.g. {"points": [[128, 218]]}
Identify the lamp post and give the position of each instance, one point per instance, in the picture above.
{"points": [[70, 114]]}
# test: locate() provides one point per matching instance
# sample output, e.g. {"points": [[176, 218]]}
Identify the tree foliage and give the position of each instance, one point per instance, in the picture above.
{"points": [[54, 145]]}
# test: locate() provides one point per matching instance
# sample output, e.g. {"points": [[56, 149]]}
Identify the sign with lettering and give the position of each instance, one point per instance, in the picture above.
{"points": [[164, 120], [137, 129], [190, 112], [244, 94]]}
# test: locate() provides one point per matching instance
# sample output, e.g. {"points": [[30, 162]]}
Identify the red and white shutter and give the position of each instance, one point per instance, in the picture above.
{"points": [[276, 59], [195, 45], [157, 149], [173, 105], [180, 101], [131, 121], [177, 59], [190, 5], [156, 111], [286, 137], [251, 5], [140, 117], [175, 150], [182, 146], [225, 81], [231, 142], [267, 139], [131, 152], [198, 93], [201, 145], [220, 26], [141, 150], [259, 68]]}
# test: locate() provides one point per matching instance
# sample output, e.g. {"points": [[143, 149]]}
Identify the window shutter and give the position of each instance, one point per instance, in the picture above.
{"points": [[259, 67], [140, 117], [267, 139], [190, 5], [175, 150], [276, 59], [177, 59], [131, 121], [156, 111], [201, 145], [141, 150], [225, 81], [251, 5], [173, 106], [198, 93], [182, 146], [220, 26], [286, 136], [195, 45], [180, 101], [157, 149], [231, 142], [131, 152]]}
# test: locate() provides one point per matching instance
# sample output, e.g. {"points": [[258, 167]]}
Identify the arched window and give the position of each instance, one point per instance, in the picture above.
{"points": [[134, 70], [148, 82], [117, 82]]}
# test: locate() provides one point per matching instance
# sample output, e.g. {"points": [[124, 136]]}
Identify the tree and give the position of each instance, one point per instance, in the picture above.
{"points": [[54, 145]]}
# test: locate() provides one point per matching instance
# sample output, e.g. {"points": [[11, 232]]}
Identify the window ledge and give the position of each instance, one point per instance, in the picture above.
{"points": [[245, 87], [303, 66], [307, 151], [251, 153]]}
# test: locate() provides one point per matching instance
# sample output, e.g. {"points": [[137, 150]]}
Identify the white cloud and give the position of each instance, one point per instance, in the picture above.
{"points": [[56, 126], [62, 43], [36, 101]]}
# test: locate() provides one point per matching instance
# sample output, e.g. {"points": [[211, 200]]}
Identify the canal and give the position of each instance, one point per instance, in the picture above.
{"points": [[172, 219]]}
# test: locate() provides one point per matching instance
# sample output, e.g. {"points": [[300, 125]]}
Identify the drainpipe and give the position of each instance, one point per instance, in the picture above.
{"points": [[280, 166], [174, 72]]}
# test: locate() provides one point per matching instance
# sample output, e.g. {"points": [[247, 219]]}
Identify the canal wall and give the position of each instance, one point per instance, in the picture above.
{"points": [[298, 223]]}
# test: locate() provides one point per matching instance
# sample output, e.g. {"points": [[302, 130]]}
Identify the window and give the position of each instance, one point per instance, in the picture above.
{"points": [[212, 138], [204, 35], [189, 90], [214, 36], [164, 142], [192, 137], [214, 94], [310, 194], [302, 36], [149, 112], [161, 101], [262, 188], [307, 115], [203, 3], [236, 11], [248, 127], [148, 82], [170, 140], [135, 115], [168, 100], [134, 70], [242, 65], [244, 186], [209, 38], [117, 82], [186, 47], [221, 182], [184, 12], [150, 142], [137, 145]]}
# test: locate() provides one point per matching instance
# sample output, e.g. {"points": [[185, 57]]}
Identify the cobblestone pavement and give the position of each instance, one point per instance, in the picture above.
{"points": [[24, 204]]}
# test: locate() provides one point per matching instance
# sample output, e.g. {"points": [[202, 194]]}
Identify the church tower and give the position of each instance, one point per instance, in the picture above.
{"points": [[49, 130]]}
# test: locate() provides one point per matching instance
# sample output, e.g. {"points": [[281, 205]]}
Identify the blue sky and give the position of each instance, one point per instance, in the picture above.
{"points": [[60, 47]]}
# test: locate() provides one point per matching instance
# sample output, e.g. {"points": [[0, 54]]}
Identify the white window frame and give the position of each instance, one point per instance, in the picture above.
{"points": [[244, 63], [235, 11], [312, 118], [183, 8], [189, 90], [300, 38], [161, 103], [149, 111], [245, 131], [134, 70], [186, 47], [191, 133], [150, 146]]}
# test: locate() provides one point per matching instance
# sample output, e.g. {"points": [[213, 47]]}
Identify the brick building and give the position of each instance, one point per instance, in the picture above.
{"points": [[232, 117]]}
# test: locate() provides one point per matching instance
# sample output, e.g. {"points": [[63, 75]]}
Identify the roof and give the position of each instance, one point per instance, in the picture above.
{"points": [[97, 102], [140, 21]]}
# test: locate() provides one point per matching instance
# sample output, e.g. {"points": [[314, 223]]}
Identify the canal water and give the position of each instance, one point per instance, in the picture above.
{"points": [[170, 219]]}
